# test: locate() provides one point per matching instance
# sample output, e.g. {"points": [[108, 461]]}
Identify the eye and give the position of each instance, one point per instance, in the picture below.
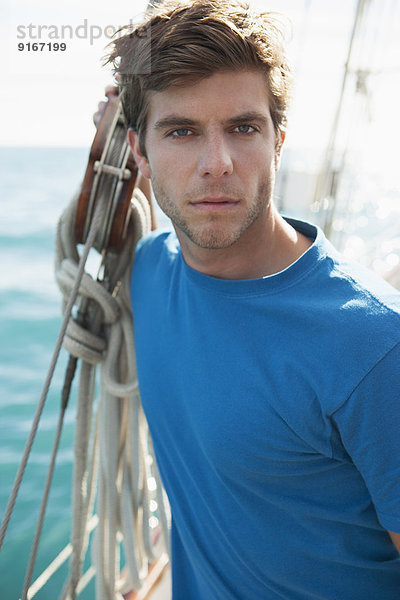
{"points": [[245, 129], [180, 133]]}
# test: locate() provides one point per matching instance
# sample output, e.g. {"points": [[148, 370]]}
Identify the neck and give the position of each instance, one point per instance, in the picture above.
{"points": [[270, 247]]}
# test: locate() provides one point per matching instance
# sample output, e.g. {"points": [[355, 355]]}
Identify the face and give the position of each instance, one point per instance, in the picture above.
{"points": [[211, 157]]}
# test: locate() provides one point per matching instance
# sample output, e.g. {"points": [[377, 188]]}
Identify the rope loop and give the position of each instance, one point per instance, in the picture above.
{"points": [[89, 288], [83, 344], [130, 498]]}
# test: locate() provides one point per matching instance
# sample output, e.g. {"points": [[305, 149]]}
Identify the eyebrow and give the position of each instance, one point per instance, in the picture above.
{"points": [[174, 121], [178, 121], [248, 116]]}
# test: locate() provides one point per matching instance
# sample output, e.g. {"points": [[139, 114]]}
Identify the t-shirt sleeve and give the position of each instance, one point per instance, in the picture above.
{"points": [[369, 425]]}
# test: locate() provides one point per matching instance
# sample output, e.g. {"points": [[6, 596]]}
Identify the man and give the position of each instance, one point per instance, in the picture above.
{"points": [[268, 366]]}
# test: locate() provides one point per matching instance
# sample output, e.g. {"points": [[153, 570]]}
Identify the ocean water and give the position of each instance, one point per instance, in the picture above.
{"points": [[35, 186]]}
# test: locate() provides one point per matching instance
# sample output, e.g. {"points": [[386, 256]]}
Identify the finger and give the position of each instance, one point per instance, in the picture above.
{"points": [[111, 90]]}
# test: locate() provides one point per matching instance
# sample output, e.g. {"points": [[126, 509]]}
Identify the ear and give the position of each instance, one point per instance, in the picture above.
{"points": [[141, 160], [278, 150]]}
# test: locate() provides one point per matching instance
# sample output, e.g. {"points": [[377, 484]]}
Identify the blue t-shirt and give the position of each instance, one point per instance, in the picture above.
{"points": [[273, 405]]}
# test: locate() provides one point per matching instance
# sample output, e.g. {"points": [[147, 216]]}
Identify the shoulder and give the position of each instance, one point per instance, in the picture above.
{"points": [[369, 322], [347, 288], [154, 247], [154, 241], [352, 317], [156, 256], [369, 309], [338, 282], [344, 297], [364, 287]]}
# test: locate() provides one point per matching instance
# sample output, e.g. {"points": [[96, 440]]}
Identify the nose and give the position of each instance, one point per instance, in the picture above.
{"points": [[215, 159]]}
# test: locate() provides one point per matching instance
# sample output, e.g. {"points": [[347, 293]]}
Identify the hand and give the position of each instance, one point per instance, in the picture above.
{"points": [[111, 90]]}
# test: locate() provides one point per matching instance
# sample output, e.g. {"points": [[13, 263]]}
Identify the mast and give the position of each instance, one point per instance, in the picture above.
{"points": [[325, 195]]}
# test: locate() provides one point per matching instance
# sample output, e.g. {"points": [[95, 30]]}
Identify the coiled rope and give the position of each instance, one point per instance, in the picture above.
{"points": [[114, 467]]}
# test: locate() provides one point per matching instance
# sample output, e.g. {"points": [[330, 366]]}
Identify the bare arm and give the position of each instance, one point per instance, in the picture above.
{"points": [[395, 539]]}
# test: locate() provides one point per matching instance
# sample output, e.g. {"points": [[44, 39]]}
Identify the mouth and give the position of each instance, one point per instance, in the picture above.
{"points": [[212, 204]]}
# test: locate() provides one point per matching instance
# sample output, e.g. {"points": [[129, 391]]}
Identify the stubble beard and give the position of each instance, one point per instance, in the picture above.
{"points": [[219, 231]]}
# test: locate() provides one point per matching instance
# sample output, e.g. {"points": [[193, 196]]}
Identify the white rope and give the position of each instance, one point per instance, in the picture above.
{"points": [[126, 464], [89, 288]]}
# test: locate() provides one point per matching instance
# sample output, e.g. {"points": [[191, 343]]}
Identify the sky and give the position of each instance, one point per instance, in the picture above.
{"points": [[49, 97]]}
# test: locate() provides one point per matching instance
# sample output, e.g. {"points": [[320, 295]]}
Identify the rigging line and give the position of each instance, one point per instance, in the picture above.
{"points": [[67, 314], [57, 563], [35, 545], [325, 179]]}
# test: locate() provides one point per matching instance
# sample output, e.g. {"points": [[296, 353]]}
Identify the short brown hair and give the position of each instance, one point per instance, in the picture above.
{"points": [[182, 42]]}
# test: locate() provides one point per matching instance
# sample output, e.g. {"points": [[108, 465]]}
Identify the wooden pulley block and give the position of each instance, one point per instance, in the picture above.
{"points": [[110, 175]]}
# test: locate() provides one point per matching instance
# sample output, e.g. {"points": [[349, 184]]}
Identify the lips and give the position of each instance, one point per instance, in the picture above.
{"points": [[215, 203]]}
